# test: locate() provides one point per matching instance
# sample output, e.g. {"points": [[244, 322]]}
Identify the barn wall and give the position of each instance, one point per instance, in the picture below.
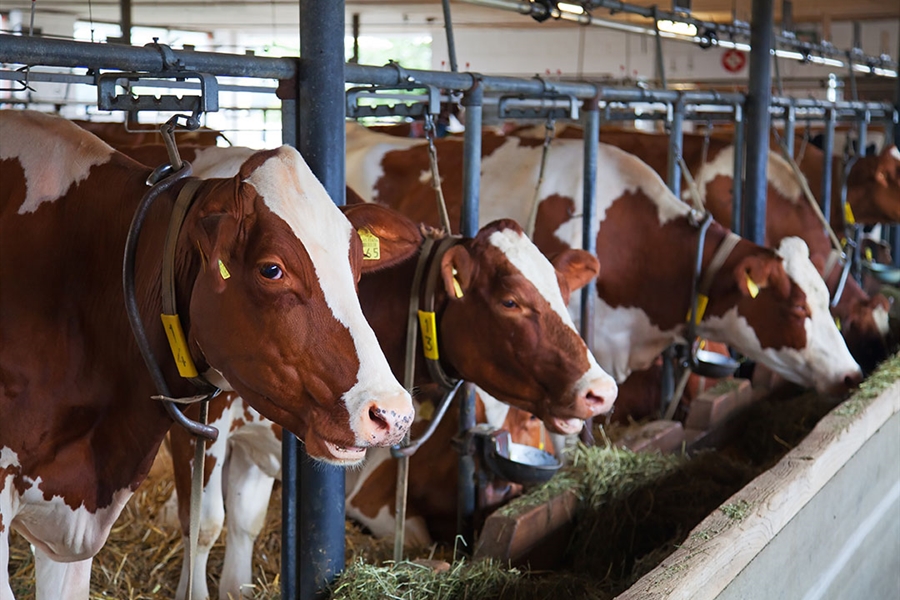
{"points": [[845, 543]]}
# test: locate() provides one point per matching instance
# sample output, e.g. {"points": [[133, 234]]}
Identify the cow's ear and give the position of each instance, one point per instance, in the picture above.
{"points": [[457, 271], [761, 271], [388, 238], [213, 224], [577, 268], [888, 169]]}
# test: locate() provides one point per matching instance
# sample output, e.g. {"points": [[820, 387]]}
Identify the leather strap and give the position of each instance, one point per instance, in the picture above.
{"points": [[722, 253]]}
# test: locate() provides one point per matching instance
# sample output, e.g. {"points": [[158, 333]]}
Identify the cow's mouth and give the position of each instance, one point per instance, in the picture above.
{"points": [[566, 426], [345, 454]]}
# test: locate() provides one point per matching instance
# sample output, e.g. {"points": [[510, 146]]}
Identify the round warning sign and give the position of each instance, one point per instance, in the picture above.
{"points": [[734, 60]]}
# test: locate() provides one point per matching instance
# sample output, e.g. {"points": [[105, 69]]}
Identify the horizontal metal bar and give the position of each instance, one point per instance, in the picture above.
{"points": [[67, 53], [45, 77]]}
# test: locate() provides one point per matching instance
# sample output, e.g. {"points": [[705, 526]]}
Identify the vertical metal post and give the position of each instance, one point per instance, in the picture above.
{"points": [[290, 445], [895, 245], [321, 135], [758, 100], [676, 142], [451, 43], [827, 166], [591, 116], [472, 101], [790, 122], [125, 17], [660, 58], [737, 190]]}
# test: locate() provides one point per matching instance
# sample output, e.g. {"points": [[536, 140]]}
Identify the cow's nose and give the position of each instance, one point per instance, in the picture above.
{"points": [[599, 396], [853, 379], [387, 420]]}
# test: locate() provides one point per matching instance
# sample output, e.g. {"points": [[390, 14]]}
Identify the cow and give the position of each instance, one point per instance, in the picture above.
{"points": [[501, 323], [863, 319], [265, 273], [771, 306]]}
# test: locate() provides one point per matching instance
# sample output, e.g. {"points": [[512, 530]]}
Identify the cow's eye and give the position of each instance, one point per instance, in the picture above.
{"points": [[508, 303], [271, 271]]}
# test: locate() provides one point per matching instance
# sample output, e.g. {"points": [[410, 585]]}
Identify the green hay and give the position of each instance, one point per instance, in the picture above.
{"points": [[736, 511], [881, 379]]}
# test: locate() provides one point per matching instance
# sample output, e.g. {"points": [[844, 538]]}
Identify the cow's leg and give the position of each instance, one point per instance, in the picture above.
{"points": [[212, 517], [5, 589], [61, 580], [246, 501]]}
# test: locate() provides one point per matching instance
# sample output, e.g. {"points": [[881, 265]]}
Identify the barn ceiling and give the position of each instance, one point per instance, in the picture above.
{"points": [[261, 14]]}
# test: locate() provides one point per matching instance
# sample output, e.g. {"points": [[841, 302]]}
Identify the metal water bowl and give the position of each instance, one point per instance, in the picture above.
{"points": [[883, 273], [713, 364], [518, 463]]}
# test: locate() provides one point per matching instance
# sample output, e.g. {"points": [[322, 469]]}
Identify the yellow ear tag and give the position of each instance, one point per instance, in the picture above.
{"points": [[428, 326], [752, 287], [848, 214], [371, 244], [457, 289], [869, 255], [178, 344], [837, 321], [425, 411], [223, 271], [702, 301]]}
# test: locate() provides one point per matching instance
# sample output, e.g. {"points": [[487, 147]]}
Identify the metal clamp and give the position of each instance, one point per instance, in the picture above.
{"points": [[400, 107], [523, 107], [108, 99]]}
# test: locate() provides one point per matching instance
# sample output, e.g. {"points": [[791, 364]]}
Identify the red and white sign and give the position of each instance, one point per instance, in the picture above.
{"points": [[734, 60]]}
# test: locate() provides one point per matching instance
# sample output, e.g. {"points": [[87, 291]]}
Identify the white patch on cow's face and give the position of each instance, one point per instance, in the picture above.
{"points": [[826, 356], [39, 140], [524, 256], [895, 152], [625, 340], [882, 320], [325, 233], [62, 533], [219, 162]]}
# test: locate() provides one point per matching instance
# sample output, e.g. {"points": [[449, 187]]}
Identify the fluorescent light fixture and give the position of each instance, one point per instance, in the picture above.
{"points": [[677, 27], [788, 54], [575, 9]]}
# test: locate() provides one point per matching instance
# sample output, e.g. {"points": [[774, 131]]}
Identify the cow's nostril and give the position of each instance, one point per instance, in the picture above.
{"points": [[377, 416]]}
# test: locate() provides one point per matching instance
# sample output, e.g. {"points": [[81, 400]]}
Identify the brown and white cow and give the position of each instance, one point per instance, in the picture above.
{"points": [[265, 274], [501, 323], [864, 319], [646, 241], [116, 134]]}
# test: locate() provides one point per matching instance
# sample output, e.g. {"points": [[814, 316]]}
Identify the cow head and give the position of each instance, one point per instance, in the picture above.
{"points": [[274, 308], [782, 318], [506, 327], [878, 182]]}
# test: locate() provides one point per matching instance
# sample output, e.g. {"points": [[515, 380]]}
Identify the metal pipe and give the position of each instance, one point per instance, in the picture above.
{"points": [[125, 15], [590, 113], [290, 445], [737, 182], [660, 58], [320, 103], [827, 165], [472, 101], [355, 25], [451, 43], [676, 140], [760, 93]]}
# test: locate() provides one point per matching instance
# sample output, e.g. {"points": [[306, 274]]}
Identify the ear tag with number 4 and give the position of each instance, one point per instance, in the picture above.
{"points": [[752, 287]]}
